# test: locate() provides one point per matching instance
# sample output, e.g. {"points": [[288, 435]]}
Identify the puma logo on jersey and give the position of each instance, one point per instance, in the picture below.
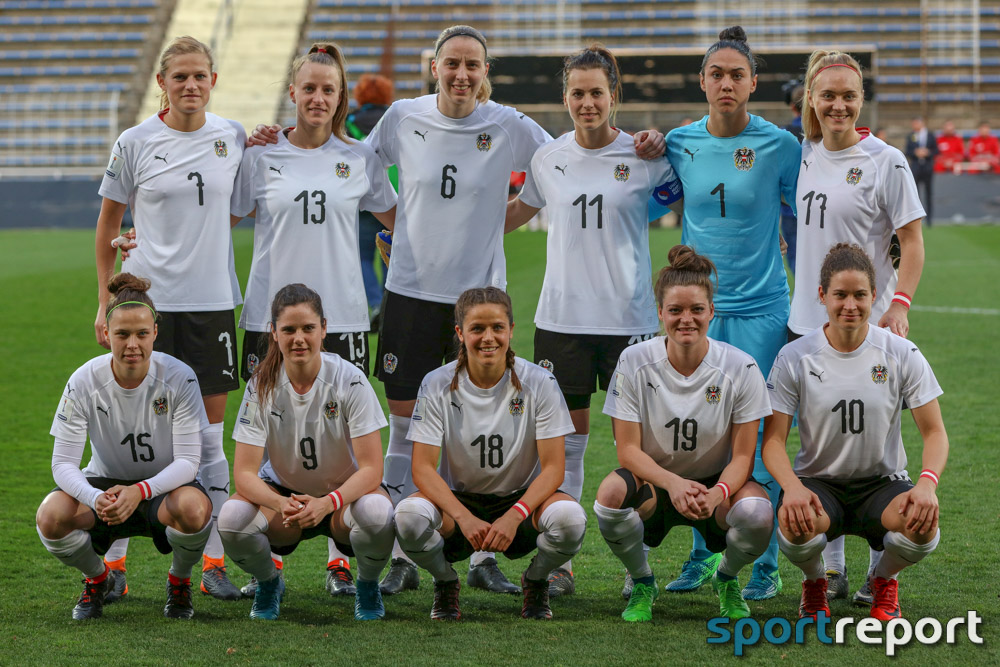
{"points": [[650, 385], [106, 412], [751, 365], [397, 489], [164, 158], [457, 406], [69, 390], [562, 169], [278, 169], [818, 376], [913, 349], [691, 154], [899, 166], [356, 382], [805, 164], [190, 380], [229, 373], [422, 135], [224, 489], [520, 117], [280, 414]]}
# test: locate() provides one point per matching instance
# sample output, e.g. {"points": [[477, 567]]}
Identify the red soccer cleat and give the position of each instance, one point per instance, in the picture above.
{"points": [[814, 598], [885, 605]]}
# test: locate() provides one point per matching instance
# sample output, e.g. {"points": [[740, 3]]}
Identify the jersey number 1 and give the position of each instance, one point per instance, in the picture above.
{"points": [[597, 201], [200, 184]]}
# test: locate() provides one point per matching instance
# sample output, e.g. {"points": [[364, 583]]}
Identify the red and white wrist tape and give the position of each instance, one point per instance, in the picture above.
{"points": [[902, 298], [931, 475], [725, 490], [338, 500], [523, 509], [145, 490]]}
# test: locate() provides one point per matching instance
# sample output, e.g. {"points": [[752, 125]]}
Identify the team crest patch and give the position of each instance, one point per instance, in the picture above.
{"points": [[546, 364], [743, 158], [220, 148], [713, 394], [343, 170], [252, 362], [854, 175], [389, 362], [879, 374], [330, 410], [622, 172], [160, 405], [516, 406], [484, 142]]}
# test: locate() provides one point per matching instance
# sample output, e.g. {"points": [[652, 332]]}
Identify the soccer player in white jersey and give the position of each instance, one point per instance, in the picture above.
{"points": [[496, 423], [144, 416], [685, 410], [305, 193], [318, 419], [175, 171], [597, 296], [854, 188], [848, 380]]}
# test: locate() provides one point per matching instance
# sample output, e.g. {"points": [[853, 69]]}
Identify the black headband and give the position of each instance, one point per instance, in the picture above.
{"points": [[462, 32]]}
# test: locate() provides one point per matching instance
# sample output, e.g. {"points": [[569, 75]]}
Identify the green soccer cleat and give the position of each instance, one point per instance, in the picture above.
{"points": [[731, 603], [267, 599], [763, 585], [368, 601], [694, 574], [640, 603]]}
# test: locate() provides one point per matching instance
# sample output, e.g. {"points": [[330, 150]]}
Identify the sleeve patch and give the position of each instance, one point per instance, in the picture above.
{"points": [[418, 411], [66, 407], [619, 383], [115, 165], [248, 412]]}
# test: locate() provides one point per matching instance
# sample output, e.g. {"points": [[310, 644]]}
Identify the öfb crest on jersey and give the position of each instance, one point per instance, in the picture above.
{"points": [[854, 175], [713, 394], [879, 374], [330, 410], [160, 405], [516, 406], [622, 172], [220, 148], [743, 158], [484, 142], [343, 170]]}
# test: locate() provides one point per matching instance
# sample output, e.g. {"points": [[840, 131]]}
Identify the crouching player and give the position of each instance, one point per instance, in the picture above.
{"points": [[144, 415], [685, 410], [848, 379], [318, 420], [498, 425]]}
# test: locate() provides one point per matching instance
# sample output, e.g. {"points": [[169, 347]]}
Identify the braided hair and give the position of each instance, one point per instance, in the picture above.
{"points": [[469, 299]]}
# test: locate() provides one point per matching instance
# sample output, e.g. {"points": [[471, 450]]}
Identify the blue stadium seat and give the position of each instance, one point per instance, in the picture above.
{"points": [[23, 5], [368, 68], [69, 70], [56, 106], [83, 19], [17, 37], [56, 124], [71, 54], [61, 88], [51, 160], [53, 142]]}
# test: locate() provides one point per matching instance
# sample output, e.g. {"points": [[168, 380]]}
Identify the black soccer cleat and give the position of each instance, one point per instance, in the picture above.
{"points": [[91, 601], [119, 587], [561, 582], [445, 606], [488, 577], [214, 582], [536, 598], [402, 576], [340, 582], [178, 599]]}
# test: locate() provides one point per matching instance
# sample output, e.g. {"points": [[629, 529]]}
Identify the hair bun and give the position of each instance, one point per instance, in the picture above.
{"points": [[126, 281], [684, 258], [733, 34]]}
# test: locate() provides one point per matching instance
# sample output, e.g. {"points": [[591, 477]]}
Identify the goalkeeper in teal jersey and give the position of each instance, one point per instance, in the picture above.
{"points": [[735, 169]]}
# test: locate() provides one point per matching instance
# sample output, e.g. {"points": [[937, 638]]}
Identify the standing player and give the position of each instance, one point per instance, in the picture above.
{"points": [[144, 416], [685, 410], [318, 419], [496, 422], [852, 188], [306, 192], [175, 171], [597, 296], [848, 380], [735, 169]]}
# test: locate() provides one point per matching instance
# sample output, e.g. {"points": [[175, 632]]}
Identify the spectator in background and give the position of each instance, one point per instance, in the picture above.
{"points": [[882, 134], [920, 151], [951, 148], [985, 148], [373, 94], [794, 91]]}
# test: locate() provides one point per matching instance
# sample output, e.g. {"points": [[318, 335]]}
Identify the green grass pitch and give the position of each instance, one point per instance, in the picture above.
{"points": [[47, 311]]}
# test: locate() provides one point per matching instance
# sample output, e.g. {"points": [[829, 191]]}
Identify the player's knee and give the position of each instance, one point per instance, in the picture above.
{"points": [[238, 517], [612, 491], [909, 549], [416, 519], [54, 516], [189, 508], [371, 512], [751, 521], [800, 553], [564, 523]]}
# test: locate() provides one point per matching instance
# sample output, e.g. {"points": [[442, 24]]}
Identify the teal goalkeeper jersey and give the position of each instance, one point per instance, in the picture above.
{"points": [[733, 188]]}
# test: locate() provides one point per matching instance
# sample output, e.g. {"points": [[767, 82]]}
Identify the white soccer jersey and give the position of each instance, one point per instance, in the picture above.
{"points": [[687, 421], [861, 194], [453, 178], [489, 436], [306, 228], [132, 431], [849, 403], [178, 186], [307, 437], [598, 278]]}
